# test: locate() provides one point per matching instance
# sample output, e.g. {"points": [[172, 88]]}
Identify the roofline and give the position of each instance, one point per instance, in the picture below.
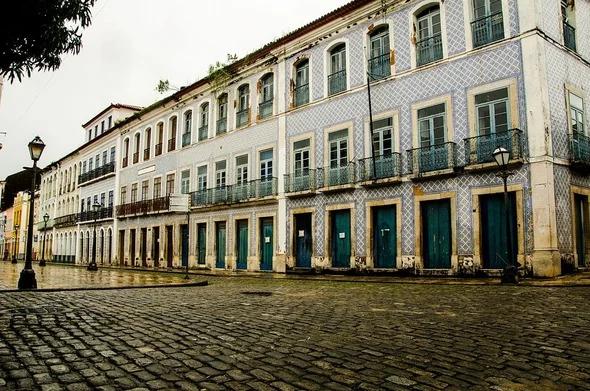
{"points": [[112, 106]]}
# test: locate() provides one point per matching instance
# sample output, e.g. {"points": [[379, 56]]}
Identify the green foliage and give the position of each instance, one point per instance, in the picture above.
{"points": [[219, 75], [163, 86], [35, 33]]}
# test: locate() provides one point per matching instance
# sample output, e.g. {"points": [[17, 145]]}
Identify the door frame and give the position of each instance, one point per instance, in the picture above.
{"points": [[418, 229], [328, 232], [584, 191], [369, 217], [258, 218], [477, 232], [214, 241], [233, 257], [291, 252]]}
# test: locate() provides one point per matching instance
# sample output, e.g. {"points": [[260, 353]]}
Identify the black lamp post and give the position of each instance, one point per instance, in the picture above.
{"points": [[45, 220], [92, 266], [15, 250], [510, 272], [27, 276]]}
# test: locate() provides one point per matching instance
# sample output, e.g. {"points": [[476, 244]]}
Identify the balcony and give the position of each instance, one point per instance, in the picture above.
{"points": [[300, 183], [580, 151], [479, 150], [250, 191], [221, 125], [98, 172], [301, 95], [337, 82], [429, 50], [146, 154], [186, 139], [90, 216], [42, 227], [379, 67], [242, 117], [386, 168], [337, 178], [135, 157], [569, 36], [436, 159], [265, 109], [172, 144], [66, 221], [158, 149], [203, 132], [173, 203], [487, 29], [125, 161]]}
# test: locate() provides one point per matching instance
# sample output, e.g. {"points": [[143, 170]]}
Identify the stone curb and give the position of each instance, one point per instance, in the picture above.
{"points": [[109, 288]]}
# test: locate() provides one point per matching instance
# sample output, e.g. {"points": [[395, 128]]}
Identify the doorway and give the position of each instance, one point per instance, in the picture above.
{"points": [[384, 237], [201, 243], [436, 238], [169, 246], [266, 243], [156, 246], [184, 234], [132, 246], [340, 244], [494, 244], [220, 244], [143, 246], [242, 244], [303, 240]]}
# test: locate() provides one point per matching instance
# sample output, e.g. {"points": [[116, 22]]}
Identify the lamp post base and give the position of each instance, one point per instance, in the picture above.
{"points": [[510, 275], [27, 280], [13, 260], [42, 263], [92, 267]]}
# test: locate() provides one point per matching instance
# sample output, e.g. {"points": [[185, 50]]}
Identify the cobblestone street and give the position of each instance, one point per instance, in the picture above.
{"points": [[242, 333]]}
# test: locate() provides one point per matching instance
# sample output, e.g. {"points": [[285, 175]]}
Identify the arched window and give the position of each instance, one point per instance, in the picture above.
{"points": [[147, 144], [188, 122], [172, 133], [301, 85], [204, 126], [136, 146], [429, 45], [222, 114], [243, 113], [266, 91], [379, 65], [159, 138], [337, 69], [125, 152]]}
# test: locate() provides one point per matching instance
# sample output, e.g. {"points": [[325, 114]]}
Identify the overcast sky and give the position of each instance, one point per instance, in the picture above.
{"points": [[130, 45]]}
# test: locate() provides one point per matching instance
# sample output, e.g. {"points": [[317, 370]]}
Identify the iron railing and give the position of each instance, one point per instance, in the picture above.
{"points": [[242, 117], [337, 176], [580, 149], [432, 158], [203, 132], [125, 161], [231, 194], [301, 95], [66, 221], [42, 227], [429, 50], [480, 149], [379, 66], [161, 204], [186, 139], [569, 36], [172, 144], [135, 157], [103, 213], [146, 154], [304, 180], [158, 149], [97, 172], [337, 82], [487, 29], [379, 167], [265, 109], [221, 125]]}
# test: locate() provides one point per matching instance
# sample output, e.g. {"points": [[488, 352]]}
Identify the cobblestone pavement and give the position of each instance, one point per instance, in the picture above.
{"points": [[55, 276], [242, 334]]}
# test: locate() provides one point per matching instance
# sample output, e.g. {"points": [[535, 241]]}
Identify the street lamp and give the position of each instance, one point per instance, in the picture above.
{"points": [[15, 244], [27, 276], [45, 220], [92, 266], [510, 273]]}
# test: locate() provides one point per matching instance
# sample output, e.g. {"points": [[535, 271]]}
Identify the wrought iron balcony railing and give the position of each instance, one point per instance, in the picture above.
{"points": [[146, 154], [569, 36], [302, 180], [158, 149], [432, 158], [203, 132], [337, 82], [66, 221], [301, 95], [221, 125], [125, 161], [231, 194], [186, 139], [88, 216], [580, 149], [487, 29], [429, 50], [161, 204], [42, 227], [379, 167], [265, 109], [97, 172], [379, 66], [135, 157], [172, 144], [480, 149], [242, 117], [337, 176]]}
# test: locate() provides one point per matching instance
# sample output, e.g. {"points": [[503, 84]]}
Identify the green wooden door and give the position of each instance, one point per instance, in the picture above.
{"points": [[494, 246], [581, 224], [303, 240], [201, 244], [220, 245], [184, 237], [384, 237], [242, 244], [436, 240], [266, 243], [340, 238]]}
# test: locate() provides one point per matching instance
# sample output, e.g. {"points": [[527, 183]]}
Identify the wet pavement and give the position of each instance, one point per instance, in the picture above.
{"points": [[55, 276]]}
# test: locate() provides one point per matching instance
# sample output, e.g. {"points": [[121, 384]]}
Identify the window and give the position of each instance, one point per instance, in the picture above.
{"points": [[88, 204], [157, 187], [123, 195], [95, 130], [222, 114], [95, 200], [487, 25], [576, 106], [204, 128], [301, 157], [337, 70], [97, 160], [379, 65], [172, 134], [103, 198], [89, 134], [134, 193], [301, 83], [125, 152], [148, 143], [111, 198], [159, 138], [382, 137], [492, 110], [242, 170], [569, 24], [266, 96], [188, 121], [202, 178], [136, 147], [432, 125], [112, 155], [84, 167], [185, 182], [429, 38], [266, 165], [145, 189], [90, 164], [220, 174], [338, 142], [110, 121], [243, 113], [169, 184], [104, 157], [102, 127]]}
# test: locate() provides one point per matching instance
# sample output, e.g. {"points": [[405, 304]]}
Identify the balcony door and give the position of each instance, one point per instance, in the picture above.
{"points": [[493, 123], [487, 25], [338, 170], [383, 149], [429, 43], [301, 165], [379, 62], [432, 126]]}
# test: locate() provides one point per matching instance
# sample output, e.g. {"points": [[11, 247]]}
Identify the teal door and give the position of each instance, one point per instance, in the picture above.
{"points": [[581, 228], [384, 237], [201, 244], [266, 243], [436, 239], [340, 238], [220, 245], [303, 241], [242, 244], [184, 244], [494, 246]]}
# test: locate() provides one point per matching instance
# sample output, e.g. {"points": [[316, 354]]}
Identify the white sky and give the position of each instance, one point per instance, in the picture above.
{"points": [[130, 45]]}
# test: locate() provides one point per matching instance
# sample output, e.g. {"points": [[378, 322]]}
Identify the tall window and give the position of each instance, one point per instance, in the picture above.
{"points": [[301, 154], [112, 158], [172, 134], [169, 184], [338, 142], [145, 190], [84, 167], [134, 192], [222, 114], [243, 113], [432, 125], [125, 152], [136, 146], [90, 164], [157, 187], [104, 157], [103, 198], [429, 38], [266, 165], [569, 24], [123, 195], [382, 137], [185, 182], [337, 76], [202, 178], [97, 158], [110, 121], [379, 65], [220, 173], [266, 96], [111, 198], [301, 92], [159, 138], [492, 110], [576, 106], [204, 128], [242, 170], [188, 122], [148, 143], [102, 127], [487, 25]]}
